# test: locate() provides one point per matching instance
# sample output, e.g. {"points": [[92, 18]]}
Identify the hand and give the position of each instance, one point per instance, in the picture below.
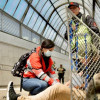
{"points": [[73, 27], [57, 80], [67, 83], [80, 73]]}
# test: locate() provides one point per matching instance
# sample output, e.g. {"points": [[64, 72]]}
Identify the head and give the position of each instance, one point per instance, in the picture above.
{"points": [[61, 66], [74, 7], [47, 47], [93, 87]]}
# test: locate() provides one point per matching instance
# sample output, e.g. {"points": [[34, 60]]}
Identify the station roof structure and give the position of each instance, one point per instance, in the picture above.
{"points": [[48, 18]]}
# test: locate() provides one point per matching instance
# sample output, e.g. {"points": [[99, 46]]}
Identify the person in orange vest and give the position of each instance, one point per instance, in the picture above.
{"points": [[41, 74]]}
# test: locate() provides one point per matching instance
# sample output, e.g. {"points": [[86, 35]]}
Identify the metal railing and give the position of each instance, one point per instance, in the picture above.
{"points": [[84, 54]]}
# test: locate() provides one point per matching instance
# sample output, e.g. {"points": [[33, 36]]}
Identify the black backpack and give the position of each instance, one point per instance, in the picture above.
{"points": [[19, 66]]}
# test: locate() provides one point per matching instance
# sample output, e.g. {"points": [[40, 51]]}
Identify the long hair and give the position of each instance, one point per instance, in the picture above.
{"points": [[47, 43]]}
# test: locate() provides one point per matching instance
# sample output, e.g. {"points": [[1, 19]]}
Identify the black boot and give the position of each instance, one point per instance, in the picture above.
{"points": [[11, 94]]}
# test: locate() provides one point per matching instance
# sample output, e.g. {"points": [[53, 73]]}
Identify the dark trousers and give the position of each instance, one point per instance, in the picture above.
{"points": [[61, 77]]}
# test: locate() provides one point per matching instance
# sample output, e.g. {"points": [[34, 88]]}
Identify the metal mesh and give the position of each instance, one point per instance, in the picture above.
{"points": [[84, 54]]}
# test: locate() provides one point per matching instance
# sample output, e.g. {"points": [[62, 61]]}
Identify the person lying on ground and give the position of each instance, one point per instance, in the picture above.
{"points": [[54, 92], [59, 92]]}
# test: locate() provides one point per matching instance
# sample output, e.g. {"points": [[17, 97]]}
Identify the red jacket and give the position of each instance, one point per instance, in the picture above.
{"points": [[39, 69]]}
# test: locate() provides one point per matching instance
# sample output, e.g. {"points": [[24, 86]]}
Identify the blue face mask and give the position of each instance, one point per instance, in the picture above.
{"points": [[48, 53]]}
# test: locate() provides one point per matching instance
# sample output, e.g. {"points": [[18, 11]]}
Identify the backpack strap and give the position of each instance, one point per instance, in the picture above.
{"points": [[21, 82]]}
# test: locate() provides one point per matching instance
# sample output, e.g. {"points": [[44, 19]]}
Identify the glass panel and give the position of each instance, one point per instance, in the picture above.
{"points": [[38, 22], [48, 32], [2, 3], [54, 20], [10, 26], [62, 32], [41, 27], [45, 32], [86, 12], [49, 12], [28, 16], [64, 46], [62, 12], [64, 18], [89, 4], [54, 1], [34, 3], [62, 51], [45, 8], [35, 38], [97, 15], [58, 26], [52, 35], [55, 25], [53, 15], [11, 6], [60, 8], [58, 41], [20, 10], [58, 49], [26, 34], [61, 29], [0, 20], [63, 15], [40, 5], [33, 20]]}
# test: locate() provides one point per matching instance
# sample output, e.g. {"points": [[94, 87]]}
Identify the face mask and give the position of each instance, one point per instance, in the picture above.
{"points": [[48, 53]]}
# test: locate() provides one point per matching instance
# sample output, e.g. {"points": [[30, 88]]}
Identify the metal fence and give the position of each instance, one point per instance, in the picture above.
{"points": [[84, 54]]}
